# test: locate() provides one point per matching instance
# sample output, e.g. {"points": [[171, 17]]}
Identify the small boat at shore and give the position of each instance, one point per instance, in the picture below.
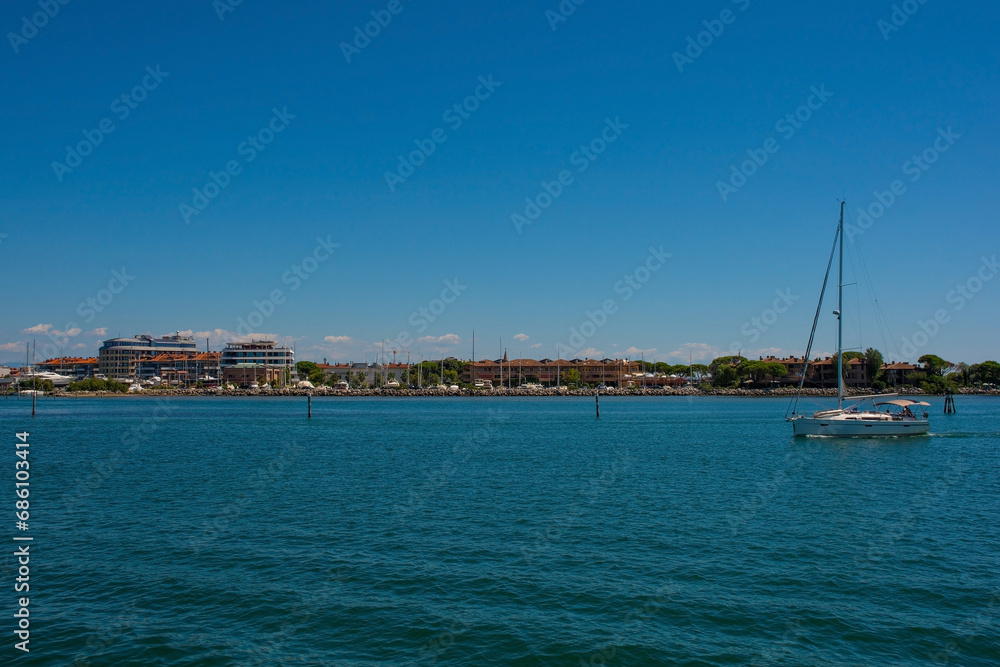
{"points": [[857, 420]]}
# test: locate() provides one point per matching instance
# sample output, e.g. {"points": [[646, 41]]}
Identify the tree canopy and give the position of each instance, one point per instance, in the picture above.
{"points": [[987, 372], [873, 363], [308, 370], [933, 364]]}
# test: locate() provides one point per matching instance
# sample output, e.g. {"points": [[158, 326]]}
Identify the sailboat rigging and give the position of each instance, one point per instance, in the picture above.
{"points": [[897, 418]]}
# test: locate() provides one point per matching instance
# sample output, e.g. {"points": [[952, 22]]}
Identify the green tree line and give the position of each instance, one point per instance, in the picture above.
{"points": [[935, 376]]}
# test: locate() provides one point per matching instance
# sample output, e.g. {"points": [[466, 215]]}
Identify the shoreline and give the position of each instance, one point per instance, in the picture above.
{"points": [[495, 393]]}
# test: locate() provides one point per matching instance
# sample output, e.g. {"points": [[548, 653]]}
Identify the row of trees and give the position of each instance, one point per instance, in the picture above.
{"points": [[664, 368], [428, 373], [732, 371], [936, 376], [93, 384], [939, 376]]}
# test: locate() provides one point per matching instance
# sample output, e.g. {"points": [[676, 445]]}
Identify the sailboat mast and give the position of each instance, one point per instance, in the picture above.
{"points": [[840, 315]]}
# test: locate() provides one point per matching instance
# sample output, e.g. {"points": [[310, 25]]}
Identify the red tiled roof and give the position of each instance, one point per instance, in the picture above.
{"points": [[60, 361], [166, 357]]}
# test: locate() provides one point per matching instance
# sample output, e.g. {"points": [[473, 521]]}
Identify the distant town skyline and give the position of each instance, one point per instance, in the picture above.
{"points": [[619, 180], [46, 347]]}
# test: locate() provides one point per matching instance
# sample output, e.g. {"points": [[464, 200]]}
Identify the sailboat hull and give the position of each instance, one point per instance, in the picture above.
{"points": [[859, 429]]}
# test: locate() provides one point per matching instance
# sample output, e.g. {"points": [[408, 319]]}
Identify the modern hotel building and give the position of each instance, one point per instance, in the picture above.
{"points": [[257, 361], [117, 357]]}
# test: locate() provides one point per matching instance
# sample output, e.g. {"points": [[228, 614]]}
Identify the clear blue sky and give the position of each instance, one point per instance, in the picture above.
{"points": [[885, 95]]}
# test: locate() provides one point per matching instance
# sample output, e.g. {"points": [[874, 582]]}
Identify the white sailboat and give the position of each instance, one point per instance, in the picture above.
{"points": [[896, 419]]}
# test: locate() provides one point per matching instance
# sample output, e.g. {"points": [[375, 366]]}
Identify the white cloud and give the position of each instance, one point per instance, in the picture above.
{"points": [[448, 339], [521, 337], [339, 349], [536, 345], [12, 347], [219, 337], [80, 346], [637, 352], [429, 346], [589, 353], [700, 352], [99, 331], [48, 330]]}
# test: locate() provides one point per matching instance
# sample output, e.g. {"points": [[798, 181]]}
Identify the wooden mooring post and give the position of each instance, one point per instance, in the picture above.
{"points": [[949, 403]]}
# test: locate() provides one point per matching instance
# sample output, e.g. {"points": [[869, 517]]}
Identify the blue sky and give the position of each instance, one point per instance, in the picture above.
{"points": [[309, 130]]}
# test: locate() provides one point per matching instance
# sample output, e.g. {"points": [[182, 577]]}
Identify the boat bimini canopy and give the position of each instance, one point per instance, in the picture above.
{"points": [[904, 403]]}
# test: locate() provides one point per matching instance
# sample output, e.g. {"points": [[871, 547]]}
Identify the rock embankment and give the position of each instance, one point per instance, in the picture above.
{"points": [[500, 392]]}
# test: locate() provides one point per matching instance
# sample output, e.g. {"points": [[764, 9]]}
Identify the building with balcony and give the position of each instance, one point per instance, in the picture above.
{"points": [[257, 352], [75, 367], [897, 373], [793, 368], [371, 373], [181, 369], [117, 357], [245, 375], [612, 372]]}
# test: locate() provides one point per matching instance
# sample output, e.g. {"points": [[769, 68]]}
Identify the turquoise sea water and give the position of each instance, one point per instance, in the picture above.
{"points": [[456, 531]]}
